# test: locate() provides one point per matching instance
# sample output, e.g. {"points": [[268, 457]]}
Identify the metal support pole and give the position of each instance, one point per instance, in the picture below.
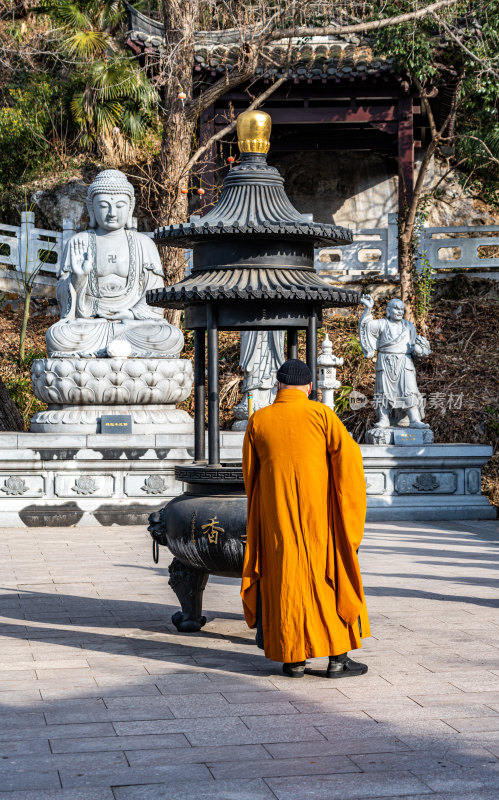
{"points": [[213, 392], [292, 343], [199, 394], [312, 351]]}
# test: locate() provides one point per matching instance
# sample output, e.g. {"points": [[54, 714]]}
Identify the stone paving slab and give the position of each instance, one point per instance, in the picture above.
{"points": [[222, 790], [388, 784], [102, 699], [59, 794]]}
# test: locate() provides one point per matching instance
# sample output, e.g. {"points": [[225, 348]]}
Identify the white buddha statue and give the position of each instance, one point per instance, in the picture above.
{"points": [[104, 276]]}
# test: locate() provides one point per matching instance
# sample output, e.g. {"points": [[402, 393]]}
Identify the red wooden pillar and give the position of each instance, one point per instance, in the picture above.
{"points": [[207, 171], [405, 150]]}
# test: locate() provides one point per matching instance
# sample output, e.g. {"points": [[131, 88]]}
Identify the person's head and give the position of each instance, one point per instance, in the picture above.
{"points": [[110, 201], [294, 374], [395, 310]]}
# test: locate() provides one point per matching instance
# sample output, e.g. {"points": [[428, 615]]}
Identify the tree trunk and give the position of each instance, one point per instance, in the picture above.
{"points": [[179, 128], [10, 417], [406, 269], [406, 234]]}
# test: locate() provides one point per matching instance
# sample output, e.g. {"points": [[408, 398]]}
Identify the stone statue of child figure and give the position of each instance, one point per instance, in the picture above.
{"points": [[103, 279], [396, 341]]}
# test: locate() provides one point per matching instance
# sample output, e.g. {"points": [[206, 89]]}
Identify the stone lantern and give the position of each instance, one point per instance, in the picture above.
{"points": [[328, 362], [253, 269]]}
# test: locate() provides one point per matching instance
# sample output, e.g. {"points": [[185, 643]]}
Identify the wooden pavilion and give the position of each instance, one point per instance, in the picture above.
{"points": [[340, 96]]}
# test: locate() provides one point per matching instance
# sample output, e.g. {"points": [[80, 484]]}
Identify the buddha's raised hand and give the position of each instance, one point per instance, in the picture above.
{"points": [[80, 263]]}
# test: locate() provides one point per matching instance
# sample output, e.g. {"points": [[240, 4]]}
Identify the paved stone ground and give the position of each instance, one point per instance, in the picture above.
{"points": [[101, 699]]}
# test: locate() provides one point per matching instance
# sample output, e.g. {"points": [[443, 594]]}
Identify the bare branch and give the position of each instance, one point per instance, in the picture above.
{"points": [[477, 139], [257, 40], [436, 139], [446, 174], [461, 44], [224, 84], [361, 27], [231, 126], [427, 107]]}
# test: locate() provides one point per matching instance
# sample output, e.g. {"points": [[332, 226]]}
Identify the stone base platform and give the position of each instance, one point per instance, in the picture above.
{"points": [[84, 479], [389, 435], [426, 482], [80, 391], [78, 479], [88, 419]]}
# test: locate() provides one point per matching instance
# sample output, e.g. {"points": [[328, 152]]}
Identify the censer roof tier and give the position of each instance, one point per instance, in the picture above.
{"points": [[253, 201], [253, 245]]}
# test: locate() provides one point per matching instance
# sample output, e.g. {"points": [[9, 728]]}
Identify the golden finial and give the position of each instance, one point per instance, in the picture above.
{"points": [[253, 132]]}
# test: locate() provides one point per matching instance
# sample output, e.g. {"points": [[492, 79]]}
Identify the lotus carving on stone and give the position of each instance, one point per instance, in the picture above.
{"points": [[154, 484], [85, 486], [14, 486], [112, 381]]}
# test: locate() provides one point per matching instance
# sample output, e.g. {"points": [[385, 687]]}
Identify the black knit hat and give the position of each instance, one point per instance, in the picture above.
{"points": [[294, 373]]}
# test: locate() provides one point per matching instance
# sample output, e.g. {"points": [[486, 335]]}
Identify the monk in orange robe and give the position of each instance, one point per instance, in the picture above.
{"points": [[305, 484]]}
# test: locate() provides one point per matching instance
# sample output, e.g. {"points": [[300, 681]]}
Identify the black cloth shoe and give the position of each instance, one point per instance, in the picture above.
{"points": [[343, 667], [295, 669]]}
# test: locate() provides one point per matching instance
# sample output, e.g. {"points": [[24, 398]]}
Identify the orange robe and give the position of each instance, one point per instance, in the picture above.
{"points": [[306, 491]]}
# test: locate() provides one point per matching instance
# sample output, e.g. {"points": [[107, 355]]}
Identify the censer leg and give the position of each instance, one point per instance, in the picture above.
{"points": [[189, 585]]}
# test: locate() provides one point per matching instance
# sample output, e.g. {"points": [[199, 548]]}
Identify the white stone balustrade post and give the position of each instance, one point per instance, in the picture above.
{"points": [[392, 247], [27, 247]]}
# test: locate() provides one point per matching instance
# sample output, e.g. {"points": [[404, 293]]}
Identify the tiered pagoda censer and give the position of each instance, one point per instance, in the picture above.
{"points": [[253, 268]]}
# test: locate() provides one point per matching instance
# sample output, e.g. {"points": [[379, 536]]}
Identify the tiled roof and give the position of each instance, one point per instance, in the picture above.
{"points": [[274, 285], [323, 57]]}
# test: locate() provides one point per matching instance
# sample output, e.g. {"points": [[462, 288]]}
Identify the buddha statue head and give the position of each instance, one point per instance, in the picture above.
{"points": [[111, 201]]}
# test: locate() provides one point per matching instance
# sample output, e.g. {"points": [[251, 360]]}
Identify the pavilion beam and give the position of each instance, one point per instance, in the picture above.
{"points": [[208, 165], [405, 151], [324, 147], [329, 92], [327, 114]]}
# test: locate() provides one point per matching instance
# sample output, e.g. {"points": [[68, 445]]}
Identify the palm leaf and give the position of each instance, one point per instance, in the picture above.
{"points": [[88, 43], [67, 13], [133, 123]]}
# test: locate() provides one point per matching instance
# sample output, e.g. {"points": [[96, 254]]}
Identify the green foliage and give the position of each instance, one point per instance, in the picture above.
{"points": [[492, 421], [342, 401], [424, 277], [86, 25], [32, 355], [115, 95], [85, 93], [353, 350], [109, 93], [21, 392], [428, 52], [412, 46], [424, 288], [27, 118]]}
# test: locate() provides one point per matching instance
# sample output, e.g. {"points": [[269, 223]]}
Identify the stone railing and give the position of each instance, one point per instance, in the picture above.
{"points": [[474, 249], [373, 253], [25, 249]]}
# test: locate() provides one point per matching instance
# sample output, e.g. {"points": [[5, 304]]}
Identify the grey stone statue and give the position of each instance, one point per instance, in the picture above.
{"points": [[262, 353], [103, 279], [111, 353], [397, 398]]}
